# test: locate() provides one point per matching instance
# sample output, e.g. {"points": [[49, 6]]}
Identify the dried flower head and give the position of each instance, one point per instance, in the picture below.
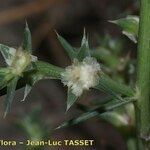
{"points": [[19, 60], [81, 76]]}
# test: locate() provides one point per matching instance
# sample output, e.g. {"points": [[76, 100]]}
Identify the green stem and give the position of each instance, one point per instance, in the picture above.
{"points": [[143, 103], [41, 70], [50, 71]]}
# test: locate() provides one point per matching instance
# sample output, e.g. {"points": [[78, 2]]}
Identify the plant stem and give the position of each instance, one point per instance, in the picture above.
{"points": [[142, 105], [43, 69], [53, 72]]}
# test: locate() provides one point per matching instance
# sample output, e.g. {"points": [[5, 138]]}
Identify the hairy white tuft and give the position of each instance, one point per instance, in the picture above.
{"points": [[81, 76]]}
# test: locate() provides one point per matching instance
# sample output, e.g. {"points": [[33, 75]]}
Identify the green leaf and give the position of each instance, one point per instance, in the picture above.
{"points": [[3, 73], [92, 113], [103, 87], [130, 26], [78, 120], [8, 53], [84, 50], [67, 47], [27, 39], [5, 77], [11, 87], [112, 87], [71, 99]]}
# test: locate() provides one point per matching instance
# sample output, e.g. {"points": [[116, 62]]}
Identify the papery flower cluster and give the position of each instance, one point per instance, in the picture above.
{"points": [[18, 60], [81, 76]]}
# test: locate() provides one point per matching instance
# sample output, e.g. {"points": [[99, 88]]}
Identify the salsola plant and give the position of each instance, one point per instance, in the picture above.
{"points": [[24, 70]]}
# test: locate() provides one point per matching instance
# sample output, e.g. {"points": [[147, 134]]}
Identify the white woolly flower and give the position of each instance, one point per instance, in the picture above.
{"points": [[18, 60], [81, 76]]}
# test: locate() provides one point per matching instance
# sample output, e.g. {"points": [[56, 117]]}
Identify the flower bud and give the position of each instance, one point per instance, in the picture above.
{"points": [[20, 61]]}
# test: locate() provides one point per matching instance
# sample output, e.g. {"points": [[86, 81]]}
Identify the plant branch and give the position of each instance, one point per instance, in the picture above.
{"points": [[46, 70], [143, 103], [42, 70]]}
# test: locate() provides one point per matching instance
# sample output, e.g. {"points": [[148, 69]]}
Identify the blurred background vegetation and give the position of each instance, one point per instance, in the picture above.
{"points": [[44, 108]]}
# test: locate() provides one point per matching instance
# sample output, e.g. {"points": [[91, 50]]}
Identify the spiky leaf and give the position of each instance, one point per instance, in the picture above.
{"points": [[67, 47], [27, 39], [11, 87], [27, 90], [84, 49], [130, 26], [5, 77], [112, 87], [8, 53], [93, 113], [3, 73], [71, 99]]}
